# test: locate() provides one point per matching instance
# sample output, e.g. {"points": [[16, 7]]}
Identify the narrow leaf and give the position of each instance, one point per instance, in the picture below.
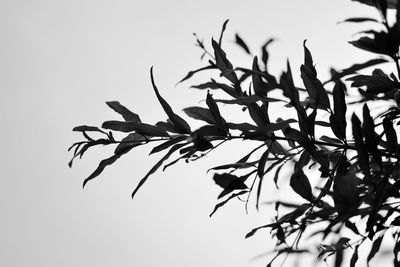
{"points": [[222, 203], [300, 184], [156, 166], [180, 123], [239, 41], [123, 111]]}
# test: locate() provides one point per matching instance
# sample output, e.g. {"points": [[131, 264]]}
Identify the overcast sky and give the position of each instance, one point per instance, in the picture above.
{"points": [[61, 60]]}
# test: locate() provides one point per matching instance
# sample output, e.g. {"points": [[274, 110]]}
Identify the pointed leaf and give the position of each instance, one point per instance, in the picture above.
{"points": [[370, 135], [129, 142], [156, 166], [191, 73], [167, 144], [222, 31], [222, 203], [375, 248], [223, 64], [215, 111], [300, 184], [200, 113], [239, 41], [129, 126], [103, 164], [338, 118], [180, 123], [390, 133], [363, 160], [123, 111], [85, 128]]}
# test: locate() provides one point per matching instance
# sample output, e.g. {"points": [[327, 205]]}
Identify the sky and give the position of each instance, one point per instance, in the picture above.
{"points": [[60, 62]]}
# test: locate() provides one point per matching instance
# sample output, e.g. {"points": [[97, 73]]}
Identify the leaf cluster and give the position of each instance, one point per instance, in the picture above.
{"points": [[352, 157]]}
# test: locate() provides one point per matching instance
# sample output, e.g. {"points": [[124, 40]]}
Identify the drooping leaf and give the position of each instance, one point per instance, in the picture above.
{"points": [[239, 41], [200, 113], [102, 165], [210, 130], [123, 111], [191, 73], [180, 123], [156, 166], [222, 203], [301, 185], [377, 42]]}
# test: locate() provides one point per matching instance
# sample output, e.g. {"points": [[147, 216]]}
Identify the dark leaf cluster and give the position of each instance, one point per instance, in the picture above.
{"points": [[344, 166]]}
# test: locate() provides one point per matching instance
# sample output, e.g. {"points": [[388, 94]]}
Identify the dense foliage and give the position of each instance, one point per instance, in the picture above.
{"points": [[351, 157]]}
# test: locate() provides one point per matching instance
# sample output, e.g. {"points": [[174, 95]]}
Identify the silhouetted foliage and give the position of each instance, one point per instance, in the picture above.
{"points": [[354, 162]]}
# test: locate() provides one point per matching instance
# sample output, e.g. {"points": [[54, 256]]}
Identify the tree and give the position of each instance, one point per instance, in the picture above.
{"points": [[345, 170]]}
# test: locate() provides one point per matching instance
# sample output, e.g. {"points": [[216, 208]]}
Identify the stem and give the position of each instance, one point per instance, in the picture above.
{"points": [[395, 57]]}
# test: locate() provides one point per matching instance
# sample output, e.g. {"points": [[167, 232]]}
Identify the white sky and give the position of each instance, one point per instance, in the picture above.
{"points": [[61, 60]]}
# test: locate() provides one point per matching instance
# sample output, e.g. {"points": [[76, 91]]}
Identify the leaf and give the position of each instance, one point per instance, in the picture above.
{"points": [[103, 164], [199, 113], [375, 248], [370, 135], [123, 111], [222, 203], [180, 123], [129, 126], [356, 67], [260, 173], [362, 153], [85, 128], [155, 167], [223, 64], [346, 193], [354, 258], [376, 83], [379, 43], [314, 87], [257, 115], [239, 41], [191, 73], [300, 184], [276, 126], [308, 61], [167, 144], [214, 85], [303, 140], [210, 130], [253, 231], [360, 19], [228, 181], [259, 85], [215, 111], [264, 51], [222, 31], [338, 118], [287, 84], [129, 142], [248, 100], [390, 134]]}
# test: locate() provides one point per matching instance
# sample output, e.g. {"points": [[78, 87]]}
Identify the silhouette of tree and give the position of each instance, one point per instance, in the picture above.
{"points": [[353, 163]]}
